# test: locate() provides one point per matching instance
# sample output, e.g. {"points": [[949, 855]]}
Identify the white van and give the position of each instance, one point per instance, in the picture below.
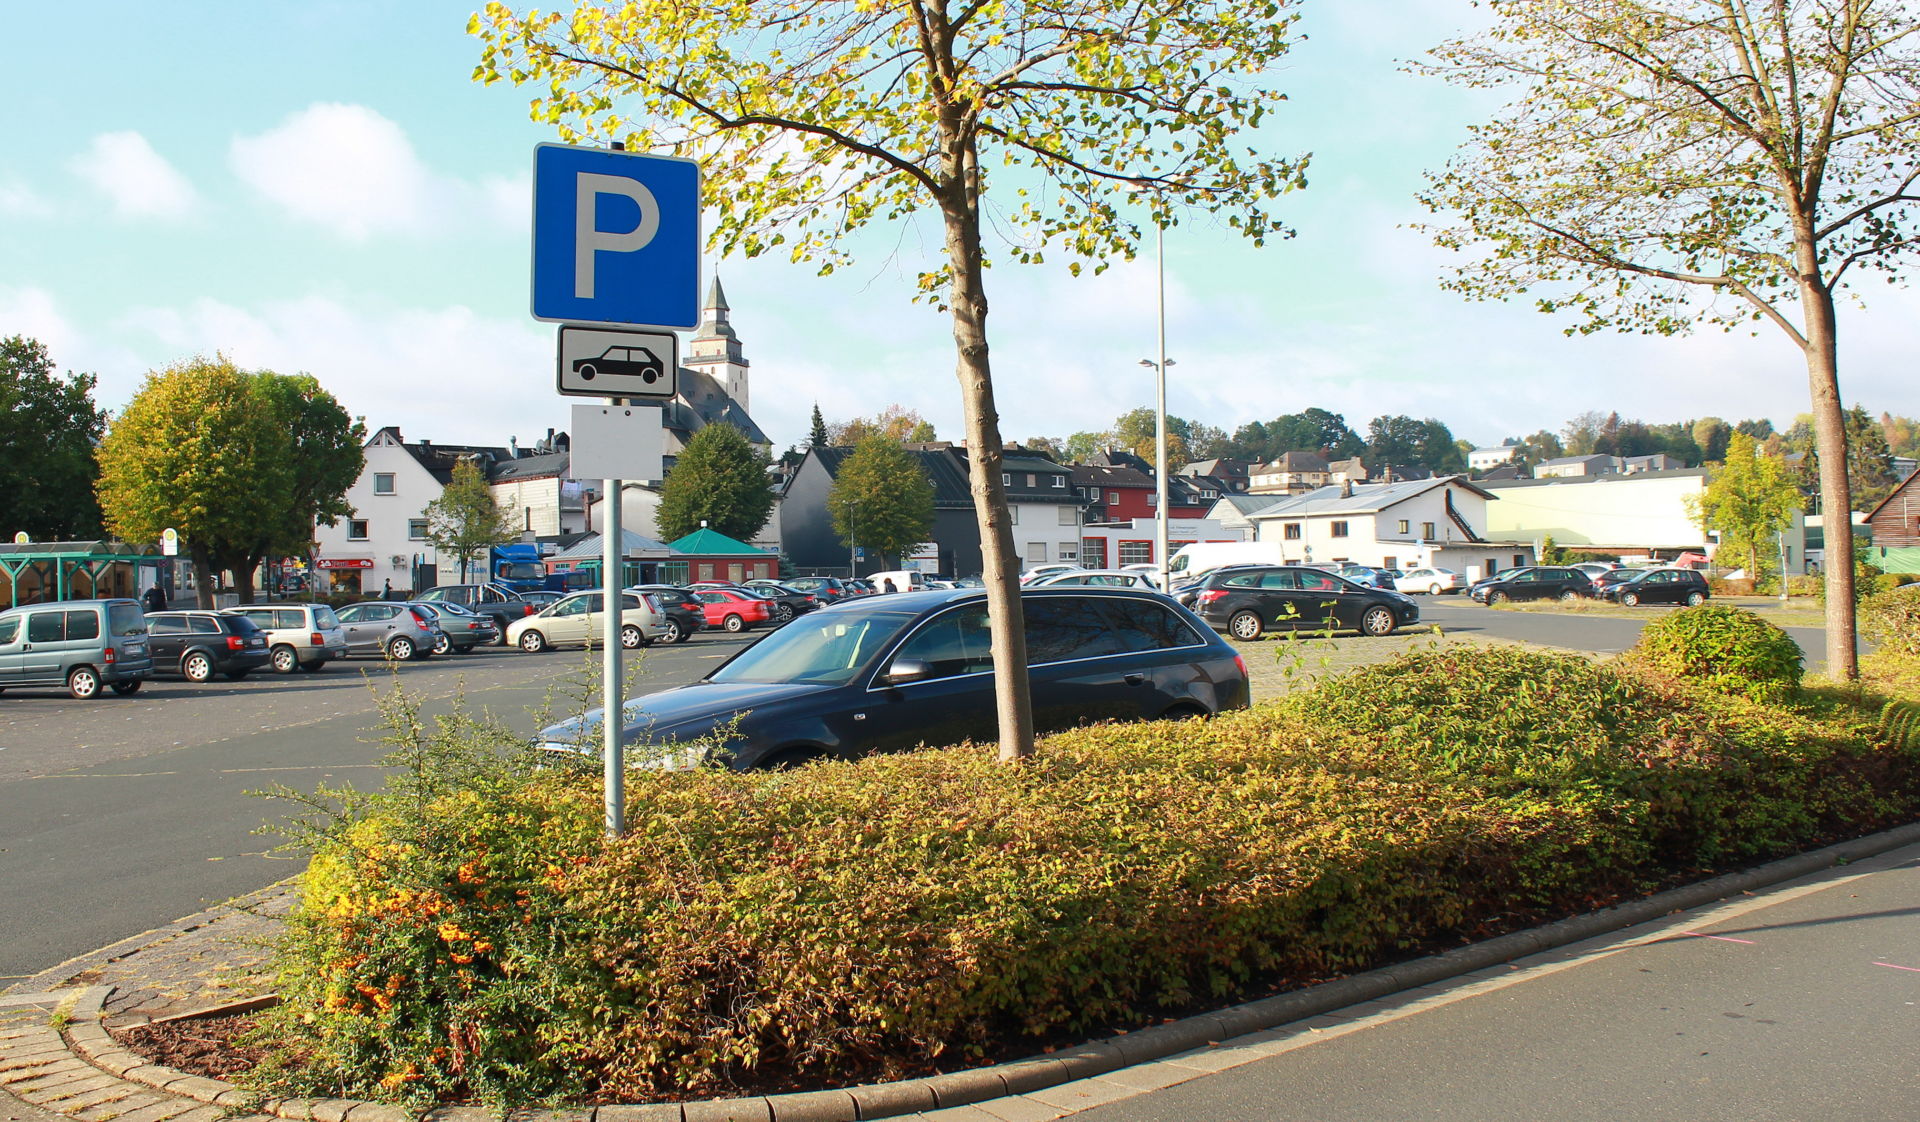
{"points": [[903, 580], [1197, 558]]}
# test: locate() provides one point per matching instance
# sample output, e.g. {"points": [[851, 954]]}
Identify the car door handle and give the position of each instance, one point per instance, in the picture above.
{"points": [[1135, 679]]}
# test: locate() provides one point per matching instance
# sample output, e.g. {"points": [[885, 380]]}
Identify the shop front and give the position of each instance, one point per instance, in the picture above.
{"points": [[344, 574]]}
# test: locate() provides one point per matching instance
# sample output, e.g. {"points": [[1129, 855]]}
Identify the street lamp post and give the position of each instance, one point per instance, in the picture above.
{"points": [[1160, 406]]}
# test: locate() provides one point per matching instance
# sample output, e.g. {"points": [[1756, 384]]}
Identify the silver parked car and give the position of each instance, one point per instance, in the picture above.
{"points": [[391, 629], [79, 644]]}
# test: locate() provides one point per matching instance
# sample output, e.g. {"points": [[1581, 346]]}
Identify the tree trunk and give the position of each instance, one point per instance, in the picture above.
{"points": [[1001, 567], [1830, 440], [203, 575]]}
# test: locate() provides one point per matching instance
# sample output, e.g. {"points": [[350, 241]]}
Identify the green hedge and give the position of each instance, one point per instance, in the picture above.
{"points": [[848, 922]]}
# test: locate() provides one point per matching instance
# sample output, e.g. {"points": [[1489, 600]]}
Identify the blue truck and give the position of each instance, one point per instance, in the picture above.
{"points": [[517, 566]]}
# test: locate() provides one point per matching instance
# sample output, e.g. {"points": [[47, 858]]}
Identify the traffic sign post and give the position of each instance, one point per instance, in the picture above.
{"points": [[616, 238], [596, 362], [616, 258]]}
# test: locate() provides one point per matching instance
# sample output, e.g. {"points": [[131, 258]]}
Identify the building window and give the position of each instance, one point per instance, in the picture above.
{"points": [[1094, 550], [1404, 526], [1153, 498], [1389, 562], [417, 529], [1113, 498], [1069, 516], [1338, 529], [1426, 530], [1006, 479], [1030, 480], [1069, 551], [383, 483], [1519, 559], [1291, 531], [356, 529], [1059, 481], [1136, 553], [1083, 493], [1036, 553]]}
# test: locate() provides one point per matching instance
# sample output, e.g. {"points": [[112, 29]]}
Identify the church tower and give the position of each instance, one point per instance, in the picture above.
{"points": [[715, 351]]}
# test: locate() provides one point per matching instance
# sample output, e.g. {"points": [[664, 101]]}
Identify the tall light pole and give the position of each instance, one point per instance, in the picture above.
{"points": [[1160, 406]]}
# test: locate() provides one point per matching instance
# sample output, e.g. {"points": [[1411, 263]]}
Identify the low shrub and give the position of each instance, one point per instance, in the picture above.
{"points": [[1723, 648], [469, 933], [1892, 620]]}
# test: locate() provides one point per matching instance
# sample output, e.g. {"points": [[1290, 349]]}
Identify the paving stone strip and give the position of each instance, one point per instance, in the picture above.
{"points": [[56, 1052]]}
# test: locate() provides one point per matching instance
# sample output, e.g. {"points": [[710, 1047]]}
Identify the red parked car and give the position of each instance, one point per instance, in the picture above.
{"points": [[731, 610]]}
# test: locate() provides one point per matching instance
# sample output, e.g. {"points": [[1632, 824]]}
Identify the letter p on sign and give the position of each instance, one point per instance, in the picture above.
{"points": [[616, 238]]}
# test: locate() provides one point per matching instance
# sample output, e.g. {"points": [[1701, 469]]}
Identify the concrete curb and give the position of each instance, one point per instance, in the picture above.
{"points": [[86, 1074]]}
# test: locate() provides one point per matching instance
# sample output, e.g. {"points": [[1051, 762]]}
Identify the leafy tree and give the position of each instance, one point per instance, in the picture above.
{"points": [[1206, 442], [1759, 429], [1870, 470], [1137, 431], [817, 435], [49, 426], [1579, 435], [882, 499], [465, 520], [1539, 447], [1748, 500], [813, 117], [720, 479], [896, 423], [1083, 446], [1053, 448], [324, 457], [1710, 435], [1902, 435], [199, 450], [922, 433], [1662, 154], [1403, 441]]}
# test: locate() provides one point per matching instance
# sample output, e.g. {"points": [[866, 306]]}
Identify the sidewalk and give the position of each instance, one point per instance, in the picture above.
{"points": [[56, 1055]]}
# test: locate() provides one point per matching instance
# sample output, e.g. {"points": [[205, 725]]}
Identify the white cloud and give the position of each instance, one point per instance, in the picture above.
{"points": [[17, 198], [344, 167], [138, 180], [352, 171], [446, 373]]}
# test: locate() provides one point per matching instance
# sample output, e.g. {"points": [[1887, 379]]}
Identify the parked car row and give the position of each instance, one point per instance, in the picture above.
{"points": [[1573, 582]]}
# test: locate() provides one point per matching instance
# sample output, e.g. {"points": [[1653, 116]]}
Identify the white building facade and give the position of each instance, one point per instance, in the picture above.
{"points": [[1427, 522], [385, 537]]}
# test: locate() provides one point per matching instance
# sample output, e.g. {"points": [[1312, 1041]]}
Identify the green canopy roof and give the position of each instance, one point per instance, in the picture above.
{"points": [[713, 543]]}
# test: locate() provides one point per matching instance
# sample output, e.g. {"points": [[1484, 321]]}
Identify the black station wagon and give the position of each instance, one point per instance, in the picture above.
{"points": [[916, 668], [1248, 602]]}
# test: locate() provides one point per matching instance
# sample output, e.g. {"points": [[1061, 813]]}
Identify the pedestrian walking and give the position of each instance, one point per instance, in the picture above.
{"points": [[386, 590], [155, 598]]}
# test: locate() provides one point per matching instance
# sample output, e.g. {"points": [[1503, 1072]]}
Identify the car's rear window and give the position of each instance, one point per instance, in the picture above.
{"points": [[323, 617], [126, 619], [85, 624]]}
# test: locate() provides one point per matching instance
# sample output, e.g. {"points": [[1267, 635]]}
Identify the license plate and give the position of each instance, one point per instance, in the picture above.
{"points": [[136, 648]]}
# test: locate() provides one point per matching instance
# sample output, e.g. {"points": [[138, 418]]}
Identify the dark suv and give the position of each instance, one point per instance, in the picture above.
{"points": [[198, 645], [1536, 582], [1249, 601], [685, 614], [1661, 586], [916, 668]]}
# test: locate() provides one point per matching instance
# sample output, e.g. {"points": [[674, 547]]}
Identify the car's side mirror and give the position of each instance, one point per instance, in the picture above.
{"points": [[905, 670]]}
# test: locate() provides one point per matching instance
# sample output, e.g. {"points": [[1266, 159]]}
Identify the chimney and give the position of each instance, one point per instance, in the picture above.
{"points": [[1346, 488]]}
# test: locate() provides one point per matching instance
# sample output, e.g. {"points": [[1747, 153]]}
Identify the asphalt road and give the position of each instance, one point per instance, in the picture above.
{"points": [[1569, 630], [121, 814], [1800, 1003]]}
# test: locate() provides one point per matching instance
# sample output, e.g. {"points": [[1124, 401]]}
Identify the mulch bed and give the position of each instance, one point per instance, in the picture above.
{"points": [[208, 1046]]}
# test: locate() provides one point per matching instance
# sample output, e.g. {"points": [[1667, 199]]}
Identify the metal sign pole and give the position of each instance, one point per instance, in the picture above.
{"points": [[613, 722]]}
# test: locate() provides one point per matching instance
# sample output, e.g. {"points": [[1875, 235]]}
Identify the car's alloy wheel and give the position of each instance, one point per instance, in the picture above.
{"points": [[443, 646], [84, 683], [675, 633], [532, 642], [734, 623], [1377, 621], [1245, 625], [1569, 595], [631, 638], [197, 667], [1695, 599], [284, 660], [782, 613], [1496, 597], [401, 649], [1630, 599], [1433, 589]]}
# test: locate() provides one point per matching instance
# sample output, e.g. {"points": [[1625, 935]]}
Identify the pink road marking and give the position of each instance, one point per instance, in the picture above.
{"points": [[1891, 966], [1722, 938]]}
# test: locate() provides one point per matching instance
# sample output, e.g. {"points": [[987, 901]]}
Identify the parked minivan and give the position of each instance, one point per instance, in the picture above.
{"points": [[81, 644], [893, 672]]}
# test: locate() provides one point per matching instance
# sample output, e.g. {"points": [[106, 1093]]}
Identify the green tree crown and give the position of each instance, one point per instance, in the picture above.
{"points": [[882, 499], [719, 478]]}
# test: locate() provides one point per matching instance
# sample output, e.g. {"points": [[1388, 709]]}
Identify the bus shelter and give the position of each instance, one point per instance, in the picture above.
{"points": [[38, 572]]}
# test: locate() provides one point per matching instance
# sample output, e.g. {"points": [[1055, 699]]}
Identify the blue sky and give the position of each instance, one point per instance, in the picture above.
{"points": [[321, 187]]}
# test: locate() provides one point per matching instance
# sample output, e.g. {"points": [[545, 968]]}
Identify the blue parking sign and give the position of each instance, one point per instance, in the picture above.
{"points": [[616, 237]]}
